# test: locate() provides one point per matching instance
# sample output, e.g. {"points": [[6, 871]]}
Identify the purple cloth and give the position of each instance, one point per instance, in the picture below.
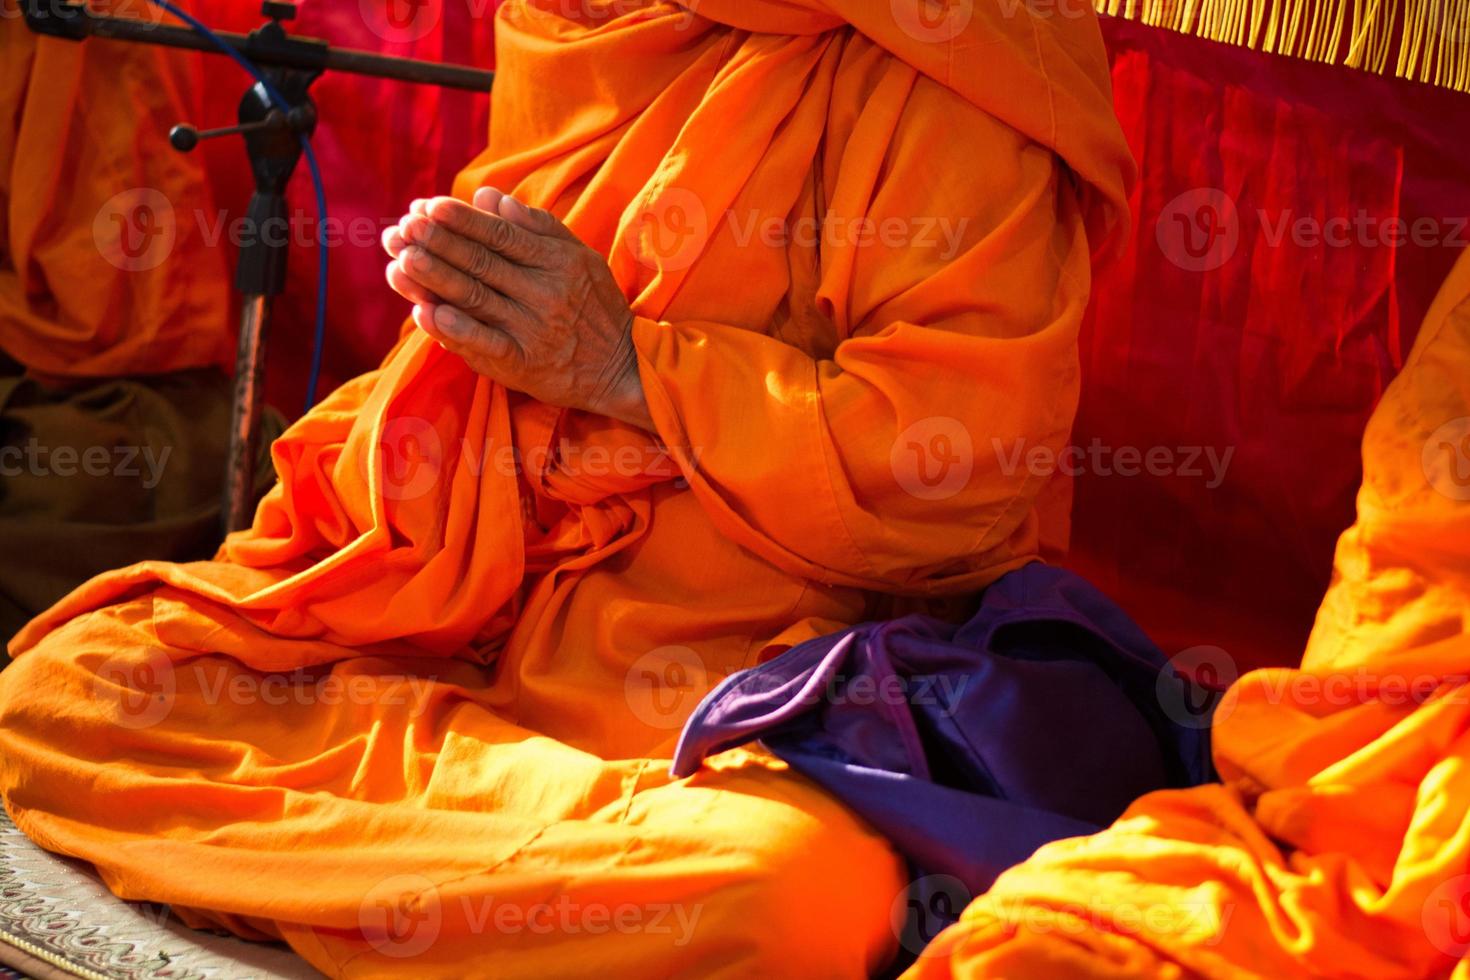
{"points": [[970, 746]]}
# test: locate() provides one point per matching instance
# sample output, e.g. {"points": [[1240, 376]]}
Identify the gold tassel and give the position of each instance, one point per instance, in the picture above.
{"points": [[1420, 40]]}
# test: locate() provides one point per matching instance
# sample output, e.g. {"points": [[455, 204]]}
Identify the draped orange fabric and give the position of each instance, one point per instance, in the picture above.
{"points": [[93, 211], [443, 672], [1339, 843]]}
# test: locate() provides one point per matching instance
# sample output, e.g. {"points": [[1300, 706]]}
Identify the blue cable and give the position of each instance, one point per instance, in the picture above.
{"points": [[316, 182]]}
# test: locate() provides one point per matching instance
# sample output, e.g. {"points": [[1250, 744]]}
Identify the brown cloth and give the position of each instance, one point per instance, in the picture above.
{"points": [[101, 474]]}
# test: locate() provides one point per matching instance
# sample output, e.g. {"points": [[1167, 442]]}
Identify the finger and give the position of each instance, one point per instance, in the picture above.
{"points": [[487, 199], [405, 286], [455, 288], [393, 242], [494, 232], [536, 220], [472, 259], [418, 205], [462, 334]]}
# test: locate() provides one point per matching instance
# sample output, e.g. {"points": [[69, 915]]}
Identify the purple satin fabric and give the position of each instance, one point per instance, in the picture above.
{"points": [[970, 746]]}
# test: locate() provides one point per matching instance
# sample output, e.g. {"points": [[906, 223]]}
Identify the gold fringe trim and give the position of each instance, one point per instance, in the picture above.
{"points": [[1420, 40]]}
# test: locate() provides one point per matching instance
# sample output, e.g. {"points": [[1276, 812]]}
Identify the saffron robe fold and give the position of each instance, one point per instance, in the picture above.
{"points": [[114, 415], [528, 602], [1339, 842], [96, 211]]}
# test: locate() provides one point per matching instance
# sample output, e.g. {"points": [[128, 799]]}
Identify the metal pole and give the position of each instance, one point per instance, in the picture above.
{"points": [[75, 22], [239, 501]]}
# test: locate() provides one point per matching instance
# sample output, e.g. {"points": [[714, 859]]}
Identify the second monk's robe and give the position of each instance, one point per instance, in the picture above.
{"points": [[115, 316], [1338, 844], [441, 677]]}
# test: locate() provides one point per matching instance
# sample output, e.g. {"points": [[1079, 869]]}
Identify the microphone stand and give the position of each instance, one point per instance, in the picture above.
{"points": [[271, 134]]}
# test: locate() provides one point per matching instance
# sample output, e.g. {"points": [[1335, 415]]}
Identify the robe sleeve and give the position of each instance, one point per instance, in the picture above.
{"points": [[911, 459]]}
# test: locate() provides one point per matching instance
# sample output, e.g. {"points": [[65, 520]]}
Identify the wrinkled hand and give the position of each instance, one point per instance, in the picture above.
{"points": [[512, 291]]}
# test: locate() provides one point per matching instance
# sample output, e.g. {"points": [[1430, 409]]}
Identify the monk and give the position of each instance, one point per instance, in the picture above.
{"points": [[1339, 842], [114, 405], [715, 350]]}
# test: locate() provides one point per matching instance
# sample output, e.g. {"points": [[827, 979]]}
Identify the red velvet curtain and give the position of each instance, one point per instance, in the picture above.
{"points": [[380, 144], [1293, 222]]}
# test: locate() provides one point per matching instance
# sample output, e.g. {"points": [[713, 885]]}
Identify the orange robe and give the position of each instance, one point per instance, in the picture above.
{"points": [[1339, 843], [115, 316], [94, 205], [442, 674]]}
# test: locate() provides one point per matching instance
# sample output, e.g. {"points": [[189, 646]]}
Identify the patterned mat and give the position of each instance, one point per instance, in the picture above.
{"points": [[57, 919]]}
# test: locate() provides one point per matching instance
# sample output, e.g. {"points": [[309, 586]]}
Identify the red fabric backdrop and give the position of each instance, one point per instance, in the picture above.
{"points": [[1252, 321], [1240, 320], [380, 144]]}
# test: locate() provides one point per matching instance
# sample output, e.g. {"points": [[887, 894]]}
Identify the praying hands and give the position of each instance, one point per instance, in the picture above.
{"points": [[511, 290]]}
